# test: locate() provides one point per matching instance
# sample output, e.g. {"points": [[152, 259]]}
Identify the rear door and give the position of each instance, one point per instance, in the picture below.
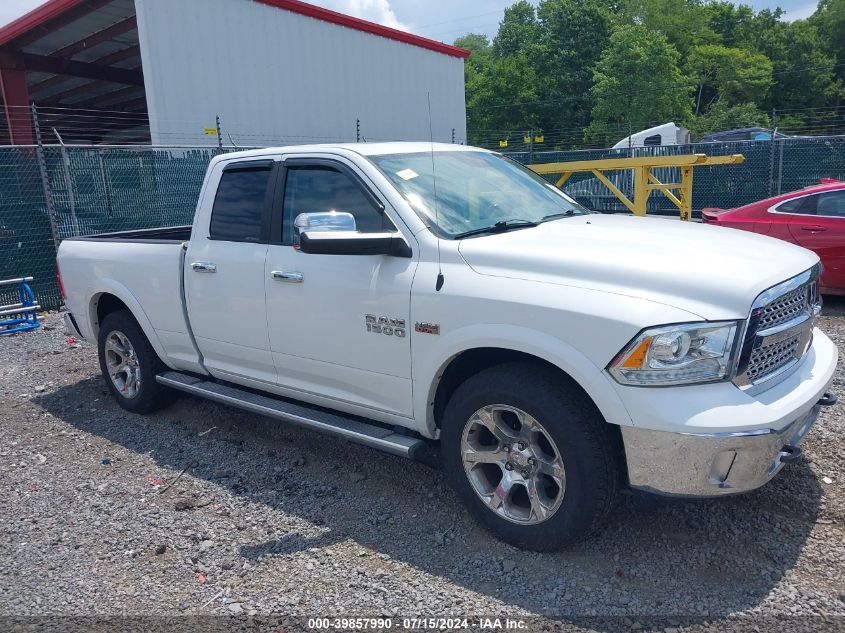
{"points": [[819, 224], [224, 272]]}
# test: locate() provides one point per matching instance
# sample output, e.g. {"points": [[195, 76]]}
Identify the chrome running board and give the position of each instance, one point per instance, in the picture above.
{"points": [[349, 428]]}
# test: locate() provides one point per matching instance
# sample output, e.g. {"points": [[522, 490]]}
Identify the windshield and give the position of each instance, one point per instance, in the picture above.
{"points": [[474, 190]]}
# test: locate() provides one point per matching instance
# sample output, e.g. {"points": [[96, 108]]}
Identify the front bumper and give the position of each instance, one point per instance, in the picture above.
{"points": [[712, 440], [708, 465]]}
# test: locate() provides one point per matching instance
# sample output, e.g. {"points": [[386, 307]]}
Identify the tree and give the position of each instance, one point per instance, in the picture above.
{"points": [[573, 34], [476, 70], [518, 30], [804, 72], [728, 117], [684, 23], [637, 84], [732, 23], [829, 20], [496, 89], [728, 74]]}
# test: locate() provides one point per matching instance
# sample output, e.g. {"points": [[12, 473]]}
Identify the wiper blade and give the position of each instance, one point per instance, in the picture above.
{"points": [[499, 227], [556, 216]]}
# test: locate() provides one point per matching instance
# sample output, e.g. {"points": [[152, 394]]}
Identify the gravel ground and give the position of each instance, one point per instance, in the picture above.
{"points": [[203, 510]]}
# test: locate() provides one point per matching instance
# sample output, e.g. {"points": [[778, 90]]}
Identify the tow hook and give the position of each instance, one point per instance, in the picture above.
{"points": [[827, 400], [789, 454]]}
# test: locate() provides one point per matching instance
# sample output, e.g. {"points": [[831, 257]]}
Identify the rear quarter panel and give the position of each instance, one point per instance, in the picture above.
{"points": [[143, 275]]}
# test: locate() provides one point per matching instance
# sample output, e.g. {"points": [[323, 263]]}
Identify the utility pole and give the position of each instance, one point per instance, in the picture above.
{"points": [[45, 179], [71, 199], [357, 130], [530, 147], [772, 151], [219, 135]]}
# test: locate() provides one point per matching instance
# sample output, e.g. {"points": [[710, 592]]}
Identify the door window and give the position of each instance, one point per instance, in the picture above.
{"points": [[318, 188], [828, 204], [800, 206], [831, 204], [239, 205]]}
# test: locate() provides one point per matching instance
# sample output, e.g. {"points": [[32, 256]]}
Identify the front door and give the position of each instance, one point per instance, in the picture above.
{"points": [[338, 324], [224, 273]]}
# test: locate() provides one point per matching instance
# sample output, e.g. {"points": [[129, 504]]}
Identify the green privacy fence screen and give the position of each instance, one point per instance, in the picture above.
{"points": [[88, 190]]}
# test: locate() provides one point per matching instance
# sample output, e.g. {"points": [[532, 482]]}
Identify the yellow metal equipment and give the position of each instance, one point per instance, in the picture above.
{"points": [[644, 181]]}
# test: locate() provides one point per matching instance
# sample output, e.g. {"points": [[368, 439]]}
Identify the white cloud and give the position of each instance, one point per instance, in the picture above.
{"points": [[378, 11]]}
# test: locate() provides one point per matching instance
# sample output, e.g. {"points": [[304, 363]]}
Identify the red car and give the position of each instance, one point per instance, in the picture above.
{"points": [[813, 218]]}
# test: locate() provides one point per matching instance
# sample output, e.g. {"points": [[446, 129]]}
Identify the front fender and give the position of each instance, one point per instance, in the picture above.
{"points": [[112, 287], [433, 355]]}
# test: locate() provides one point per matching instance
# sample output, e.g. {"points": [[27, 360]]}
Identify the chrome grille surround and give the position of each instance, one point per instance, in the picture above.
{"points": [[779, 331]]}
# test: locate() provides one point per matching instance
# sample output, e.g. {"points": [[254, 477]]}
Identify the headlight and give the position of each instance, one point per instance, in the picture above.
{"points": [[677, 355]]}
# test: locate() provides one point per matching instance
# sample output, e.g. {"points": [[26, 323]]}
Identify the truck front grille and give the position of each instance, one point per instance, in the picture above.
{"points": [[768, 359], [780, 329], [785, 308]]}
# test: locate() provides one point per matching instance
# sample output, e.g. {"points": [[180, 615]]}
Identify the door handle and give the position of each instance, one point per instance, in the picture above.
{"points": [[815, 228], [204, 267], [288, 277]]}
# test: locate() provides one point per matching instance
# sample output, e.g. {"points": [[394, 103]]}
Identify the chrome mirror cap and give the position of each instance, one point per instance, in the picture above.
{"points": [[325, 221]]}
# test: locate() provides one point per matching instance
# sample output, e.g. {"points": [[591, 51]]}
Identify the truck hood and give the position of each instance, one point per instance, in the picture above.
{"points": [[712, 272]]}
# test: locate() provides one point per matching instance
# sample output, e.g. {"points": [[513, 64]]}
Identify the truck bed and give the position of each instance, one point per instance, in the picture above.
{"points": [[154, 235], [144, 270]]}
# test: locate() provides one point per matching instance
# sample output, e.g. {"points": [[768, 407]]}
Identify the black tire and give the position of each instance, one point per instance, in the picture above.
{"points": [[583, 439], [150, 396]]}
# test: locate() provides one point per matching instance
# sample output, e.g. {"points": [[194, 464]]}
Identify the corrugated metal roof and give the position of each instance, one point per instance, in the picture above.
{"points": [[86, 26]]}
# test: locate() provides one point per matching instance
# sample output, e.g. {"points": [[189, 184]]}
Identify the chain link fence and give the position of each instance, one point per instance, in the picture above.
{"points": [[55, 192], [770, 168], [52, 192]]}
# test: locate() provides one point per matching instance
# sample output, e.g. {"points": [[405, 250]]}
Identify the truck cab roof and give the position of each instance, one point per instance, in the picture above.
{"points": [[363, 149]]}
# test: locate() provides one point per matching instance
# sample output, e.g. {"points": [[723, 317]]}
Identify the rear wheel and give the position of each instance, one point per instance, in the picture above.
{"points": [[530, 455], [129, 364]]}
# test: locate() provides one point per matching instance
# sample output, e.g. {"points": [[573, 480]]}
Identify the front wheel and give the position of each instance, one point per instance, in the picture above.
{"points": [[530, 455], [129, 364]]}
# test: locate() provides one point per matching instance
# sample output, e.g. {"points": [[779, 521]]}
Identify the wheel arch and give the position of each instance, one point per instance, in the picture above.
{"points": [[460, 359], [113, 297], [469, 362]]}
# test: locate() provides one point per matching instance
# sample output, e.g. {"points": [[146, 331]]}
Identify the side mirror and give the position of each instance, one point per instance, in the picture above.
{"points": [[353, 243], [335, 233]]}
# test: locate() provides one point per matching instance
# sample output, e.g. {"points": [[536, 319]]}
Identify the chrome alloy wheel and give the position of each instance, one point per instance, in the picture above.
{"points": [[122, 364], [513, 464]]}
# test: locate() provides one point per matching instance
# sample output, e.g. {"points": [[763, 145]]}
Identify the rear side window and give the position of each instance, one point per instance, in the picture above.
{"points": [[790, 206], [239, 205]]}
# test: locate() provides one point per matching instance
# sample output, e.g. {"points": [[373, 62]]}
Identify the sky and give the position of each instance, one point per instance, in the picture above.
{"points": [[443, 20]]}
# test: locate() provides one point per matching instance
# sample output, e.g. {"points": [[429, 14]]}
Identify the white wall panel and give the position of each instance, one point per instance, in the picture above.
{"points": [[277, 77]]}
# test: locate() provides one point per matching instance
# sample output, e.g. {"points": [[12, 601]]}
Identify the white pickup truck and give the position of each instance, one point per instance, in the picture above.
{"points": [[405, 295]]}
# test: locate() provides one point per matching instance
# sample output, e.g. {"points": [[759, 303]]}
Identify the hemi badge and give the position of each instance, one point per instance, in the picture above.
{"points": [[427, 328]]}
